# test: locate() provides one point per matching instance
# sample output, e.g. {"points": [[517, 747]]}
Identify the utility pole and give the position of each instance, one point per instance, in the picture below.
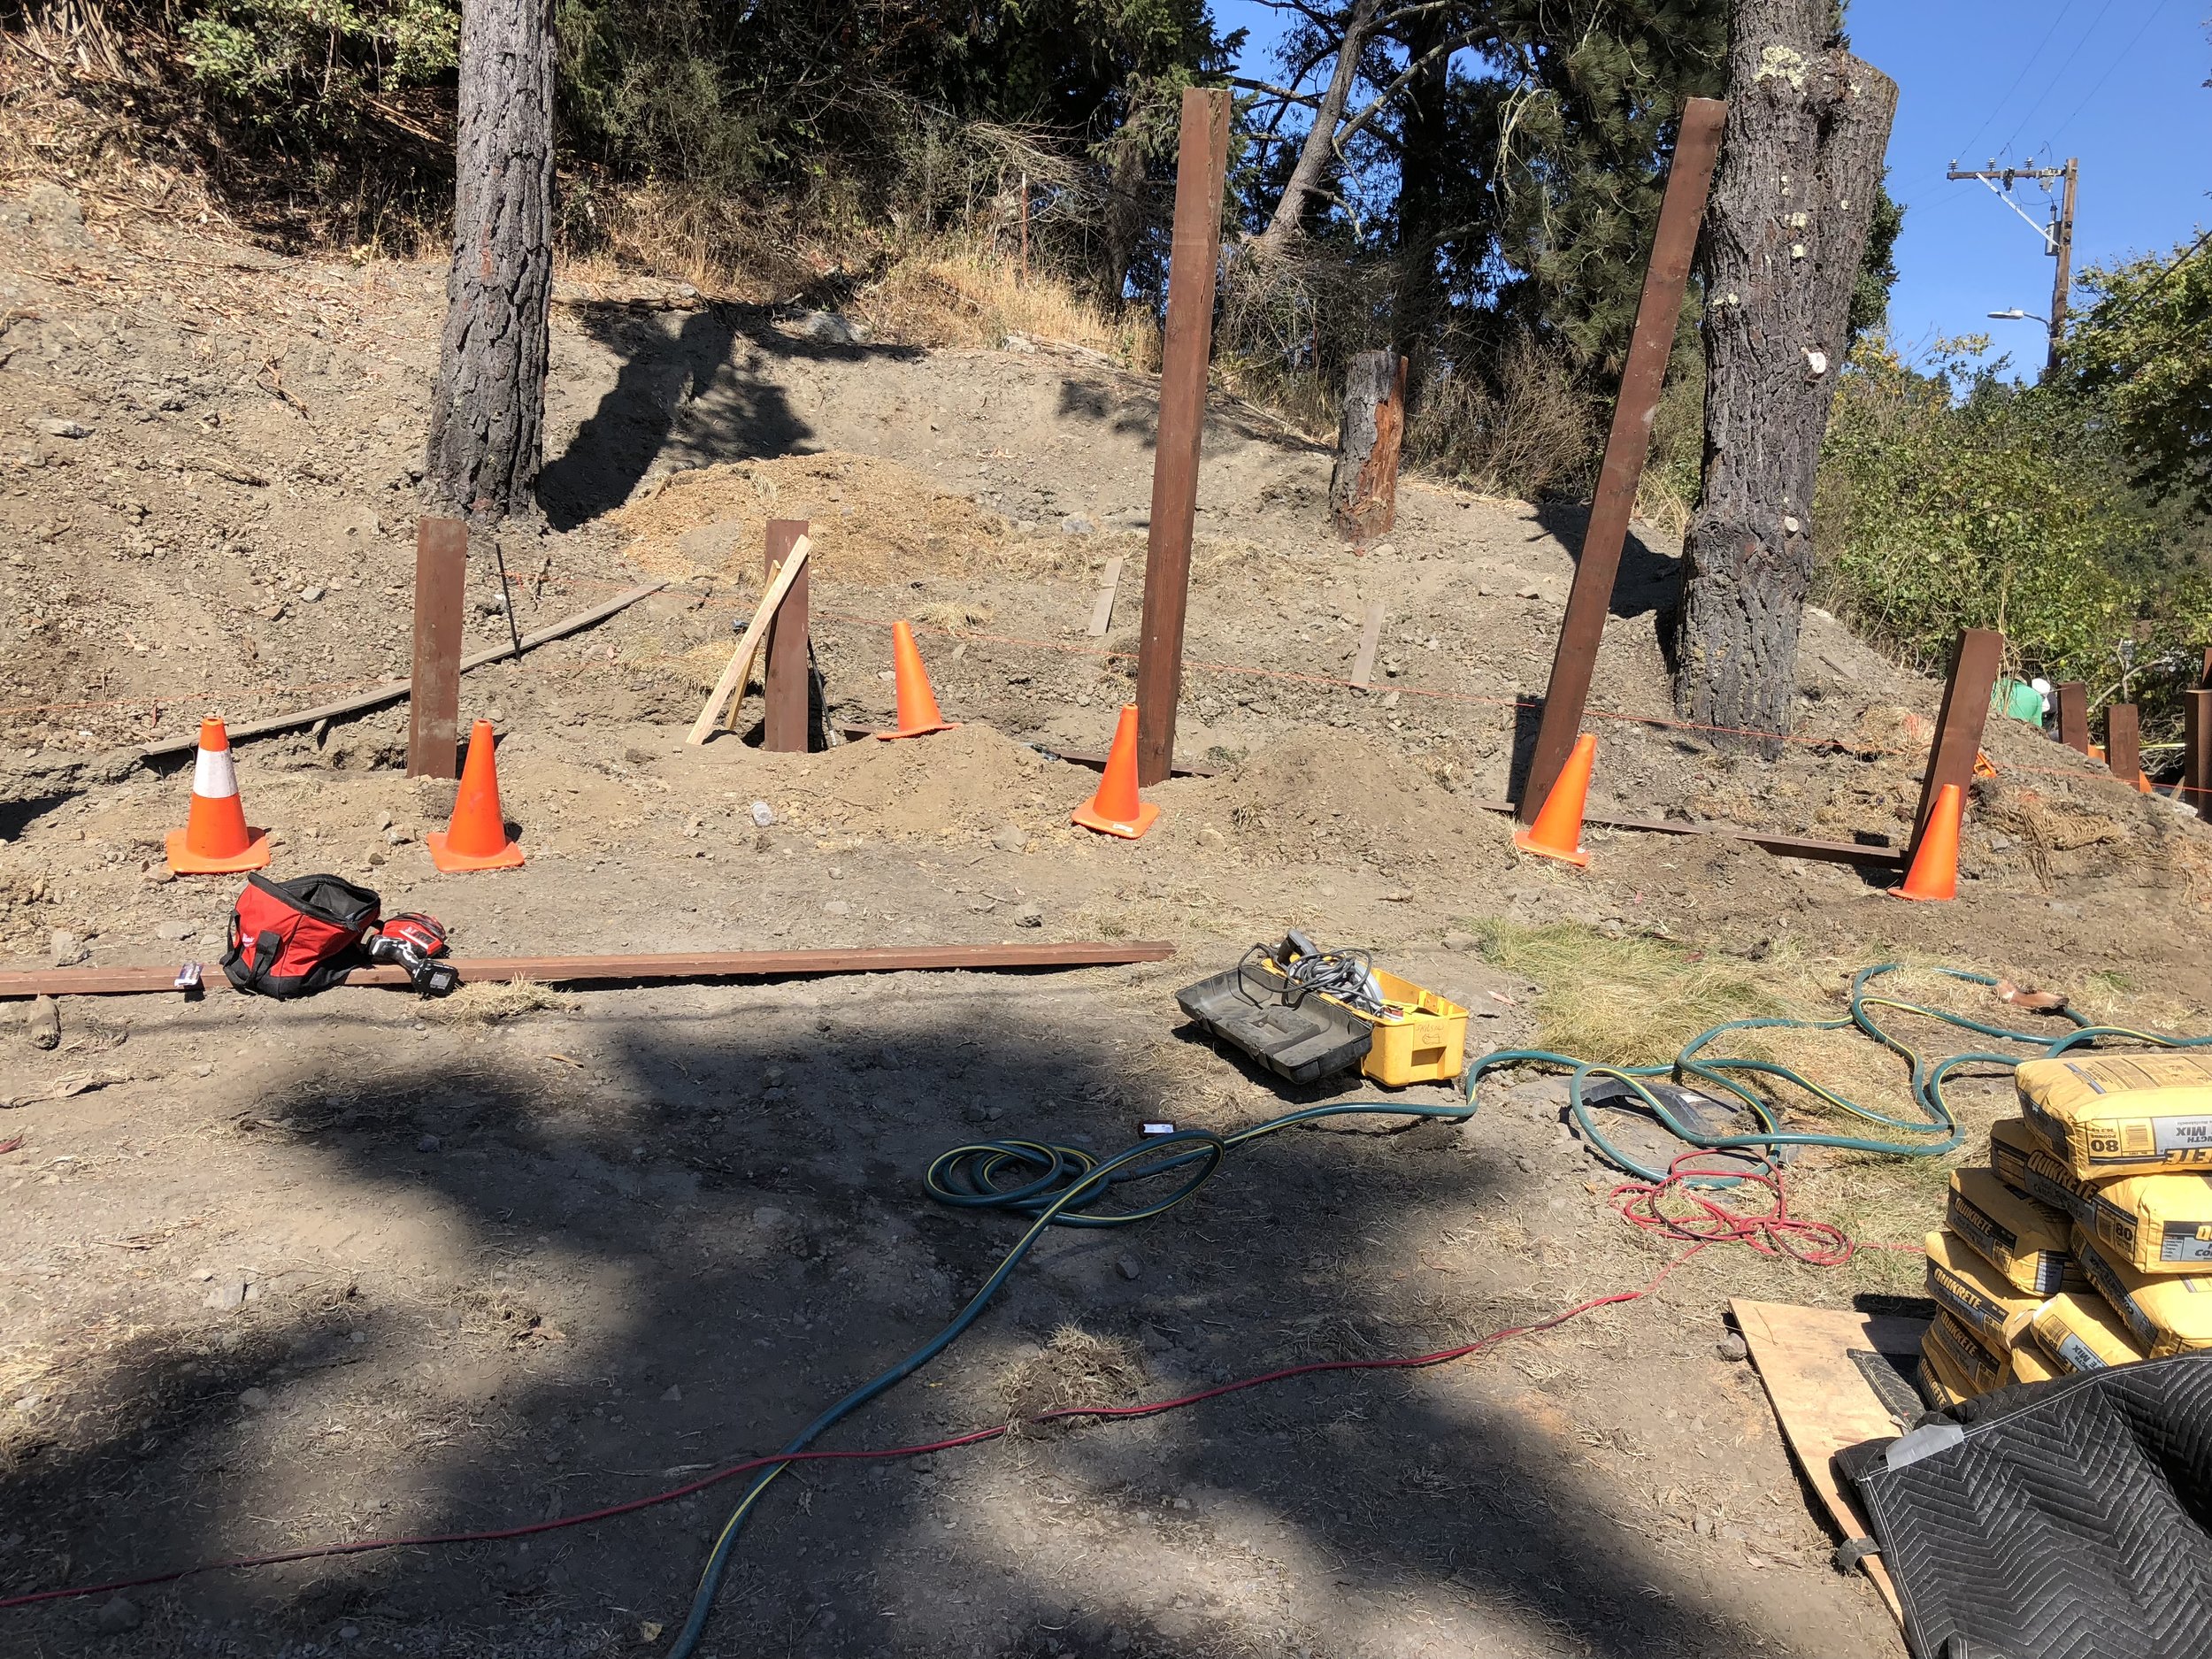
{"points": [[2058, 236]]}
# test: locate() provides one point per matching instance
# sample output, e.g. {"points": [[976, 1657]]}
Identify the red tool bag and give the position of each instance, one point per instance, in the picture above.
{"points": [[292, 938]]}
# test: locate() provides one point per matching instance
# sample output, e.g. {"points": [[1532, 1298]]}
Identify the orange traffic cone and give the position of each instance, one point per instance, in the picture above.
{"points": [[215, 837], [1115, 808], [1557, 831], [917, 704], [477, 838], [1935, 867]]}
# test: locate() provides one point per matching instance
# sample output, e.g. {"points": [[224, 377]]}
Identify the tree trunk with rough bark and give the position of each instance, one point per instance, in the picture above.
{"points": [[1421, 307], [487, 415], [1808, 124], [1320, 149], [1363, 486]]}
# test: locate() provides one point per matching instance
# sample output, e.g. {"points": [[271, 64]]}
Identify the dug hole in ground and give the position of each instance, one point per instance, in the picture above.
{"points": [[281, 1274]]}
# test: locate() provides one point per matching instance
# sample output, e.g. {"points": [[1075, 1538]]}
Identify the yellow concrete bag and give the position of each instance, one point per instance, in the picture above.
{"points": [[1975, 1293], [1962, 1356], [2081, 1333], [2024, 1241], [2156, 1224], [2114, 1114], [2028, 1163], [2165, 1316], [1939, 1378], [2029, 1363]]}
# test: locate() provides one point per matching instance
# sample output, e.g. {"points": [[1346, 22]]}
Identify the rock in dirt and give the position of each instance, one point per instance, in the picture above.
{"points": [[1459, 939], [254, 1399], [228, 1296], [66, 948], [1009, 837], [117, 1613], [1128, 1266], [829, 329], [45, 1023], [1029, 916], [55, 427], [1732, 1346], [1076, 523]]}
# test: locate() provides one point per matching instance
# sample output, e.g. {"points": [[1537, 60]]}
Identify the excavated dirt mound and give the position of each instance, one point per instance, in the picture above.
{"points": [[873, 520]]}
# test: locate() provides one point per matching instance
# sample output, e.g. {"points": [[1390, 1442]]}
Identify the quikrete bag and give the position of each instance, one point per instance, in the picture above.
{"points": [[293, 938], [2164, 1315], [1975, 1293], [2024, 1241], [2079, 1331], [2117, 1114]]}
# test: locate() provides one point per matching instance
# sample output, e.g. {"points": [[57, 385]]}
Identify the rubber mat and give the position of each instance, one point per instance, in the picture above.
{"points": [[2058, 1520]]}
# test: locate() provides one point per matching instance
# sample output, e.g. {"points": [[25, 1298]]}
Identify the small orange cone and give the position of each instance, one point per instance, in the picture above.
{"points": [[1557, 831], [1115, 808], [215, 837], [476, 837], [1935, 867], [917, 704]]}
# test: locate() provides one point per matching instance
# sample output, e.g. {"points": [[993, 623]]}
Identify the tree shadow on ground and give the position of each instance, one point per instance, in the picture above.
{"points": [[1649, 582], [676, 1225], [692, 390]]}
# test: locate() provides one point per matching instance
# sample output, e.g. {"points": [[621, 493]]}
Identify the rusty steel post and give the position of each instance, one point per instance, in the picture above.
{"points": [[784, 682], [1689, 180], [2196, 751], [433, 710], [1959, 722], [1202, 165], [2123, 744], [2073, 715]]}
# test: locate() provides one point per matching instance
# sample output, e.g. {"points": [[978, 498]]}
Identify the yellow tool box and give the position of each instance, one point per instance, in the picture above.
{"points": [[1420, 1037]]}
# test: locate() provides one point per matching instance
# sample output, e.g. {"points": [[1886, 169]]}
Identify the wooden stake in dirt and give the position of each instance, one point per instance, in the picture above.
{"points": [[1959, 723], [1103, 607], [2073, 715], [733, 681], [1363, 487], [2123, 744], [1369, 637], [433, 718], [1201, 165], [2196, 752], [1642, 380], [787, 682]]}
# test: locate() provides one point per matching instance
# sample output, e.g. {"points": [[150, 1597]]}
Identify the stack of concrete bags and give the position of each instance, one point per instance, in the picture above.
{"points": [[2088, 1242]]}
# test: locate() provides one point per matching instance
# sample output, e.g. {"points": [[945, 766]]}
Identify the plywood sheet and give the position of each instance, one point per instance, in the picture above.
{"points": [[1824, 1400]]}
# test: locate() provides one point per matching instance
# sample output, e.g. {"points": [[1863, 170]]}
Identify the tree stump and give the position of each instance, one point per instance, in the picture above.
{"points": [[1363, 489]]}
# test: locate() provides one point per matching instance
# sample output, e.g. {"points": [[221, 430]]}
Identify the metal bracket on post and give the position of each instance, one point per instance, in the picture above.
{"points": [[1689, 181], [1960, 722], [434, 711], [1202, 165]]}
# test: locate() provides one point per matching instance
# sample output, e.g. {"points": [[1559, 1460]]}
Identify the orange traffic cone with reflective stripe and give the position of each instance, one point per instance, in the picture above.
{"points": [[215, 838], [1557, 831], [1935, 867], [1117, 809], [476, 837], [917, 704]]}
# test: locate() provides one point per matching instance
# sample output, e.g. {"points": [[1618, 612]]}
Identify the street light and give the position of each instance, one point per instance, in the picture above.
{"points": [[2016, 315]]}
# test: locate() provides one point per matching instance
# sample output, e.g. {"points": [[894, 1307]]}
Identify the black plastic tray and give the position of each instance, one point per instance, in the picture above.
{"points": [[1299, 1043]]}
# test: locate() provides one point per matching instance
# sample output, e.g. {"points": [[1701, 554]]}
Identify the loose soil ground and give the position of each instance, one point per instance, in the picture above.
{"points": [[277, 1274]]}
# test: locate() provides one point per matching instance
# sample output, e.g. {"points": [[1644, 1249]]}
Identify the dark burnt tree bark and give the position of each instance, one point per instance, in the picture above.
{"points": [[1799, 166], [486, 419], [1421, 306]]}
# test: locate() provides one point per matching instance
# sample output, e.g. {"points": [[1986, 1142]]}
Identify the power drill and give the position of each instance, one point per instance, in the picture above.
{"points": [[417, 943]]}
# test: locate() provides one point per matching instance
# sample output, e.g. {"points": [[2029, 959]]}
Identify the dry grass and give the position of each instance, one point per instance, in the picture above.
{"points": [[1526, 430], [958, 294], [954, 616], [1074, 1368], [487, 1003]]}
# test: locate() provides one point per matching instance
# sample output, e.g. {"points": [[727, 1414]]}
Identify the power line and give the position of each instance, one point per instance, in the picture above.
{"points": [[2149, 16], [2027, 63], [2052, 86]]}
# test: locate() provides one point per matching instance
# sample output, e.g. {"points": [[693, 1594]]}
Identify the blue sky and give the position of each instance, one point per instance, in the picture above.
{"points": [[2116, 83]]}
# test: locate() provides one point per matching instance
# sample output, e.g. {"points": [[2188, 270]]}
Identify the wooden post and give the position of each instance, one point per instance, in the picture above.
{"points": [[2073, 715], [1959, 723], [1201, 165], [2196, 751], [784, 684], [2123, 744], [1689, 180], [434, 711], [1363, 487]]}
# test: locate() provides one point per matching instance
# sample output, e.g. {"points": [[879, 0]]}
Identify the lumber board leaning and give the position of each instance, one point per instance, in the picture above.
{"points": [[733, 681], [393, 690], [625, 968]]}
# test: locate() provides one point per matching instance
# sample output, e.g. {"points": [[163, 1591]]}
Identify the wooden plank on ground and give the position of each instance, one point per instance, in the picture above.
{"points": [[1824, 1401], [1369, 637], [393, 690], [733, 681], [1103, 607], [629, 968], [1788, 846]]}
